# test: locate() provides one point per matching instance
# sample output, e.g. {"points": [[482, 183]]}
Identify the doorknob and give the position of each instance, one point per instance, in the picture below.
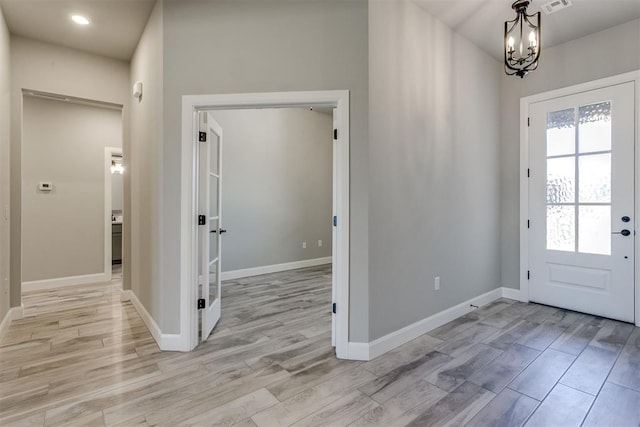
{"points": [[222, 230], [624, 232], [625, 219]]}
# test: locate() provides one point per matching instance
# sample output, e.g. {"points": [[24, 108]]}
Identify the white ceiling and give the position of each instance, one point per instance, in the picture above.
{"points": [[116, 25], [482, 21]]}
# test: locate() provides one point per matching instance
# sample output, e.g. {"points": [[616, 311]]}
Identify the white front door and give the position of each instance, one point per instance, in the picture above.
{"points": [[209, 162], [581, 198]]}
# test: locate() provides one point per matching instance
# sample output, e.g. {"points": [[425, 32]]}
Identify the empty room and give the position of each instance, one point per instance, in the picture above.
{"points": [[331, 213]]}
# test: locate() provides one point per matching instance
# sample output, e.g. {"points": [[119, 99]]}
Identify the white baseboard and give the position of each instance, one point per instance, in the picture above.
{"points": [[172, 342], [369, 351], [514, 294], [14, 313], [166, 342], [275, 268], [413, 331], [38, 285], [356, 351], [359, 351]]}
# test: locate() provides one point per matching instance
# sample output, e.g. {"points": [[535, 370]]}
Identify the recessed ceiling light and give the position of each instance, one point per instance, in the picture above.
{"points": [[79, 19]]}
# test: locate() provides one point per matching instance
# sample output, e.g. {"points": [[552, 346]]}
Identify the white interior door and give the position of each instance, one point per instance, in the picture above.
{"points": [[209, 210], [334, 232], [581, 198]]}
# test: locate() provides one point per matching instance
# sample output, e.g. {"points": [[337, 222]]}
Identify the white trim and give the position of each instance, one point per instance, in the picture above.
{"points": [[524, 199], [359, 351], [274, 268], [636, 166], [421, 327], [108, 154], [171, 342], [513, 294], [369, 351], [191, 104], [60, 282], [525, 102], [166, 342], [14, 313]]}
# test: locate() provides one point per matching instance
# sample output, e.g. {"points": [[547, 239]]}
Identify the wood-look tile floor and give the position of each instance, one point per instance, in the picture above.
{"points": [[82, 357]]}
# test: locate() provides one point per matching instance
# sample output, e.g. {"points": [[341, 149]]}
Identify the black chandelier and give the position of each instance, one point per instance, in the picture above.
{"points": [[521, 41]]}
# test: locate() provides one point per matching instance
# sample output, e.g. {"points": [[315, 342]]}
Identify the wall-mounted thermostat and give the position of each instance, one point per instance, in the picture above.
{"points": [[45, 186]]}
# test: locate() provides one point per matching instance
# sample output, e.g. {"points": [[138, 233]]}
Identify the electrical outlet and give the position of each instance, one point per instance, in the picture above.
{"points": [[319, 243], [304, 245], [436, 283]]}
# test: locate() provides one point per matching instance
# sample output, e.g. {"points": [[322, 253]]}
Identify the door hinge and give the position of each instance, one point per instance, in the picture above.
{"points": [[335, 134], [202, 137], [528, 121], [201, 303], [333, 308], [528, 223], [335, 221], [528, 274], [202, 220], [528, 173]]}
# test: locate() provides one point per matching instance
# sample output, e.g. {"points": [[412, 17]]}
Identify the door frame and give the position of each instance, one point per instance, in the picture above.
{"points": [[108, 154], [191, 105], [525, 102]]}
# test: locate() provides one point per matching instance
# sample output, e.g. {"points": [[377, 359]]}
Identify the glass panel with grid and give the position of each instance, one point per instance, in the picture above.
{"points": [[579, 179]]}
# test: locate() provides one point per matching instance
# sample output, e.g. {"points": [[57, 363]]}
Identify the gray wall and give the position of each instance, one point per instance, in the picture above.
{"points": [[277, 186], [607, 53], [49, 68], [64, 143], [5, 85], [434, 131], [145, 159], [261, 46]]}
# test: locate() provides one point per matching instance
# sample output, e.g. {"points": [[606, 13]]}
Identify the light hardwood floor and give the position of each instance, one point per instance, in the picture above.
{"points": [[82, 357]]}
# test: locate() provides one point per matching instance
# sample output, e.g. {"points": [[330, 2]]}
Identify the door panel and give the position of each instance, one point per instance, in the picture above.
{"points": [[209, 206], [334, 231], [580, 188]]}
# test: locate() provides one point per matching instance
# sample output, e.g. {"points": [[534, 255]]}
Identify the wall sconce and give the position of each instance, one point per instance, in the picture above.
{"points": [[521, 41]]}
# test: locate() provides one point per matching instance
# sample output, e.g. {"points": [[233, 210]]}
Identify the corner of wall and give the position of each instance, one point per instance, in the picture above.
{"points": [[5, 202], [145, 179]]}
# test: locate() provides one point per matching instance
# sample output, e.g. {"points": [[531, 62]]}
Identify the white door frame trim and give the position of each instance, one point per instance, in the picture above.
{"points": [[525, 102], [191, 104], [108, 153]]}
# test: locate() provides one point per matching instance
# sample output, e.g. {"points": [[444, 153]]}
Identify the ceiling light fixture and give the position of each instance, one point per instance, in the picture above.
{"points": [[521, 41], [117, 168], [80, 20]]}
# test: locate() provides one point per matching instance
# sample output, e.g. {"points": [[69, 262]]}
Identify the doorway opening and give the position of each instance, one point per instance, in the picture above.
{"points": [[578, 200], [195, 129], [66, 233], [114, 211]]}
